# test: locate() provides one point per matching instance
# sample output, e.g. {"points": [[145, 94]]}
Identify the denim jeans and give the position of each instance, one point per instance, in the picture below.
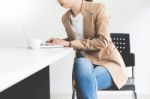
{"points": [[90, 78]]}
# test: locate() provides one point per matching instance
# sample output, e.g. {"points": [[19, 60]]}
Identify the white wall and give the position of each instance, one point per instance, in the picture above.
{"points": [[40, 19], [133, 16]]}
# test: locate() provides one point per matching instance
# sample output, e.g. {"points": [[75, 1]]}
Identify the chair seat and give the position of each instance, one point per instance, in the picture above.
{"points": [[124, 88], [128, 87]]}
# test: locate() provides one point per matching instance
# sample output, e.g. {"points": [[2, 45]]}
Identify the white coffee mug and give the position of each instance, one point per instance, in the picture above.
{"points": [[35, 44]]}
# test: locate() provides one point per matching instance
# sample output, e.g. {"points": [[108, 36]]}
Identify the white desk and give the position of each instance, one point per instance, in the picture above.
{"points": [[16, 64]]}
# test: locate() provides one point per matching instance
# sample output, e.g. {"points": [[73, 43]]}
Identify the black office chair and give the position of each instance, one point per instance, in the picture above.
{"points": [[122, 42]]}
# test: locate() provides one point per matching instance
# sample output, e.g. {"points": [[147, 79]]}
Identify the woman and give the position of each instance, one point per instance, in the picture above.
{"points": [[98, 64]]}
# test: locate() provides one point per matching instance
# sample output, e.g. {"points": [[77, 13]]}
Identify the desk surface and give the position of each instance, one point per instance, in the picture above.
{"points": [[17, 64]]}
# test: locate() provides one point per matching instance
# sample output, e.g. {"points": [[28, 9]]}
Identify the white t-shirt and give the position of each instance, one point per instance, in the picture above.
{"points": [[77, 25]]}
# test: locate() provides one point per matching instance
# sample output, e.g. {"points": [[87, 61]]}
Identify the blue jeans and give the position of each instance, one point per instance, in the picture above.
{"points": [[90, 78]]}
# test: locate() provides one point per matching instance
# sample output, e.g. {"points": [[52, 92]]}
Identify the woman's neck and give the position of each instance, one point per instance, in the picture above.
{"points": [[76, 9]]}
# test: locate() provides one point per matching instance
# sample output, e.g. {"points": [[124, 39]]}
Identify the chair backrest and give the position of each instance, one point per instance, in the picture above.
{"points": [[122, 42]]}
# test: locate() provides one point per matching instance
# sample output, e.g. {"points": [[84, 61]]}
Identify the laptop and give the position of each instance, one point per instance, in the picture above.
{"points": [[43, 44]]}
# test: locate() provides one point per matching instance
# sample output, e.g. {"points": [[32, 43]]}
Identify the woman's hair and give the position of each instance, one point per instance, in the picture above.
{"points": [[89, 0]]}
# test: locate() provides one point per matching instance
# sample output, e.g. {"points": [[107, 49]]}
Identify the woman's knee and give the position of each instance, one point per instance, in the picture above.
{"points": [[82, 65], [81, 60]]}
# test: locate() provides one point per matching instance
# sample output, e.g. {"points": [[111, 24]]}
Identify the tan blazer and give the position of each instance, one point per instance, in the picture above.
{"points": [[97, 45]]}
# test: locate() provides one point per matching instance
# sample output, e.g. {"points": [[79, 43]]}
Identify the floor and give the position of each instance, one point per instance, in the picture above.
{"points": [[104, 95]]}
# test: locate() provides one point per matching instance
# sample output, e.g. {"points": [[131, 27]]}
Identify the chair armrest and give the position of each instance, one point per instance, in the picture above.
{"points": [[129, 59]]}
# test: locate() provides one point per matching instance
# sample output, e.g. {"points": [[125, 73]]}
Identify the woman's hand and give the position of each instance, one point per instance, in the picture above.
{"points": [[54, 41], [59, 41]]}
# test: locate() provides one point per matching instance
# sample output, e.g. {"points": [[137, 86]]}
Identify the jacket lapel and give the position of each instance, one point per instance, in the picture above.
{"points": [[87, 25], [87, 21], [70, 32]]}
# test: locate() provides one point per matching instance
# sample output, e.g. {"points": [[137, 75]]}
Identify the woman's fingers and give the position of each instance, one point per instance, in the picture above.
{"points": [[49, 40], [58, 41], [55, 41]]}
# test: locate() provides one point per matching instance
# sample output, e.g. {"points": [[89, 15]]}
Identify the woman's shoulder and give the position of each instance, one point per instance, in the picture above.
{"points": [[95, 4], [94, 7]]}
